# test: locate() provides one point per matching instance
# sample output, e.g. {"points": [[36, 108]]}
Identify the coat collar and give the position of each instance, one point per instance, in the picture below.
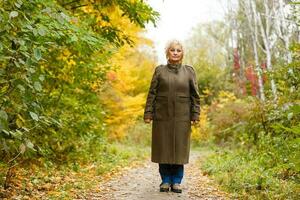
{"points": [[174, 67]]}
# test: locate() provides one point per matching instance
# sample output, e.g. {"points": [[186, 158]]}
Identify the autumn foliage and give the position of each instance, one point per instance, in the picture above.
{"points": [[58, 60]]}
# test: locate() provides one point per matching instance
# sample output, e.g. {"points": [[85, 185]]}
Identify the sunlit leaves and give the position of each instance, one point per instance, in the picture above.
{"points": [[125, 92], [34, 116], [20, 121], [37, 85], [13, 14], [138, 12], [106, 17], [29, 145], [3, 120], [3, 115], [42, 31], [53, 64], [32, 37], [37, 54]]}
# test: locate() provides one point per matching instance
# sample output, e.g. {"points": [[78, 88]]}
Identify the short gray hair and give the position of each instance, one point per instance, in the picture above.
{"points": [[170, 43]]}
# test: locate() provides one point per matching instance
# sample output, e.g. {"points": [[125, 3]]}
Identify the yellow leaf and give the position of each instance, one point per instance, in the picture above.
{"points": [[19, 123]]}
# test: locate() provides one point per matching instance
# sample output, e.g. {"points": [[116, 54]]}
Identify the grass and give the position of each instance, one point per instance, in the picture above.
{"points": [[251, 174]]}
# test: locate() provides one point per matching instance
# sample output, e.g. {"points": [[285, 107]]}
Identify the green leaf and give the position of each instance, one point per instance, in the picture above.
{"points": [[74, 38], [16, 134], [17, 64], [37, 53], [13, 14], [21, 61], [47, 10], [29, 27], [34, 116], [20, 2], [21, 88], [25, 129], [18, 5], [35, 105], [295, 109], [35, 32], [3, 125], [3, 115], [290, 116], [42, 78], [3, 120], [42, 31], [64, 16], [6, 132], [5, 147], [31, 70], [37, 86], [29, 144]]}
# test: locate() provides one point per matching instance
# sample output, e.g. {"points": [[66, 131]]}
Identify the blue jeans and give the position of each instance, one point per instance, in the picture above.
{"points": [[171, 173]]}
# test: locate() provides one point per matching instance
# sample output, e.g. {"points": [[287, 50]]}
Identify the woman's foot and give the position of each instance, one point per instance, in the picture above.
{"points": [[164, 187], [176, 187]]}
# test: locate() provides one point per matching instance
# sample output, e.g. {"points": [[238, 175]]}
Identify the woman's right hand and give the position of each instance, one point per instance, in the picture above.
{"points": [[147, 121]]}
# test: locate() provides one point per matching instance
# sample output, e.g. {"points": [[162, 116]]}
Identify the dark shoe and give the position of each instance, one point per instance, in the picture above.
{"points": [[164, 187], [176, 188]]}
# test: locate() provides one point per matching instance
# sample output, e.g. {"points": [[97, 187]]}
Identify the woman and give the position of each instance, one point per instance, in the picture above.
{"points": [[173, 104]]}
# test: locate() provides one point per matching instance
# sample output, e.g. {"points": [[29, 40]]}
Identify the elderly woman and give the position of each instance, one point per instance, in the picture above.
{"points": [[173, 104]]}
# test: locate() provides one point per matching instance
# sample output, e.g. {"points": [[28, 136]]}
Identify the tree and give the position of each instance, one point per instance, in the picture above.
{"points": [[205, 51], [250, 13], [53, 59]]}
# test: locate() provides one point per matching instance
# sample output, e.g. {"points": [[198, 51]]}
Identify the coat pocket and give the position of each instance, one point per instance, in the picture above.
{"points": [[183, 108], [161, 108]]}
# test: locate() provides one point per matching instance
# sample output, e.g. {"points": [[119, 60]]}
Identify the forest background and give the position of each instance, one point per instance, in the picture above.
{"points": [[74, 76]]}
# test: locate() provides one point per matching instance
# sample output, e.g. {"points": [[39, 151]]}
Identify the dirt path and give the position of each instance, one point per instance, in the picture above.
{"points": [[143, 183]]}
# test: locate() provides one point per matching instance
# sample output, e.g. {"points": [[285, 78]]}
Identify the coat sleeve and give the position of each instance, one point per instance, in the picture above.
{"points": [[195, 97], [148, 113]]}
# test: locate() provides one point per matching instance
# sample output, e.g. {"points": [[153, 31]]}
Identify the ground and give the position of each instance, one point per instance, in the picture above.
{"points": [[142, 182]]}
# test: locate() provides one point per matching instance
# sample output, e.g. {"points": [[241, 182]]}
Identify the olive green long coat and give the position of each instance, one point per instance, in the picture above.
{"points": [[172, 102]]}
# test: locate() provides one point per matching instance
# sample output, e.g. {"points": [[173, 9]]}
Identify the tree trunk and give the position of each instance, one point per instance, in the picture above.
{"points": [[284, 31], [265, 33], [253, 28]]}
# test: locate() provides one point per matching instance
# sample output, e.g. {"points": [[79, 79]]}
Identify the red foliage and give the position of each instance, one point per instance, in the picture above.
{"points": [[236, 59], [253, 79]]}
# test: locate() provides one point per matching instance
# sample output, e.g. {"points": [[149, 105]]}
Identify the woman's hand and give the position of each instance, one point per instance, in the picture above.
{"points": [[147, 121]]}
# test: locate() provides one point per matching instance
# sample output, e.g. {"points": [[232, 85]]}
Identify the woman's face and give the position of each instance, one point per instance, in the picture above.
{"points": [[175, 54]]}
